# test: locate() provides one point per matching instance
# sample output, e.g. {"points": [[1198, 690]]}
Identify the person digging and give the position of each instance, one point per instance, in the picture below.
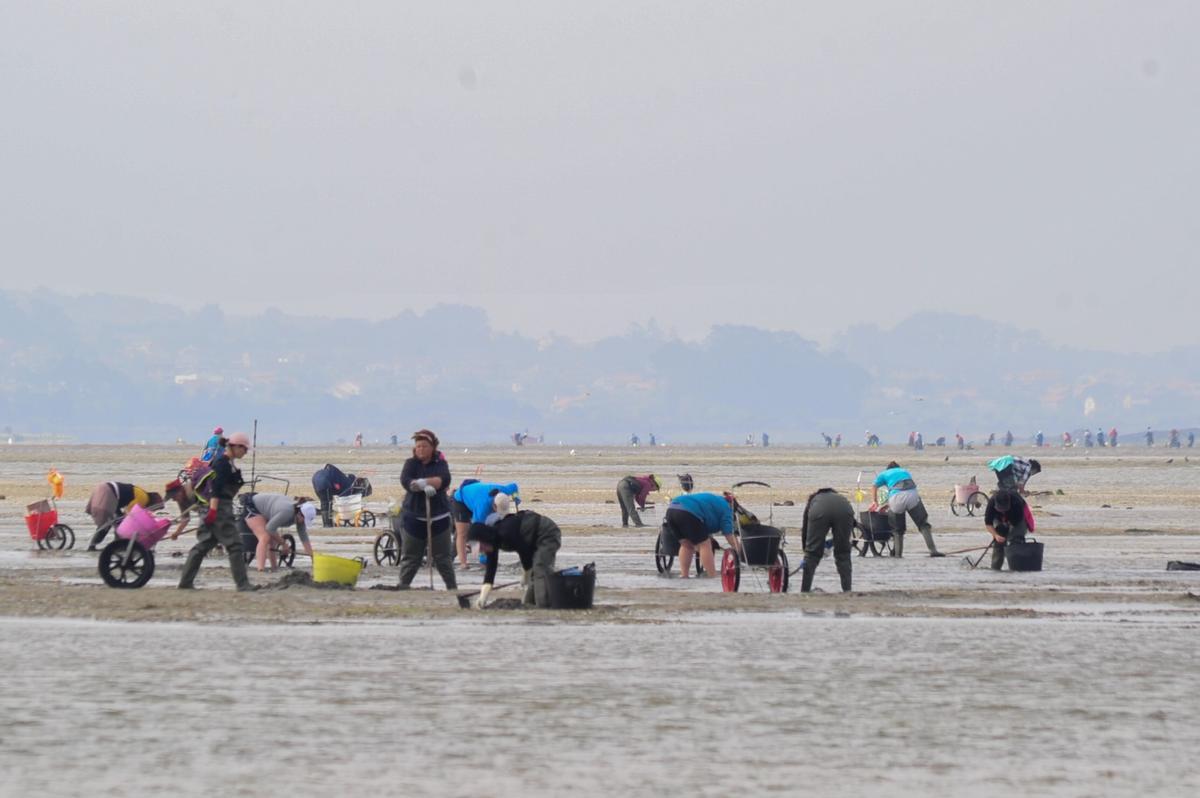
{"points": [[536, 540]]}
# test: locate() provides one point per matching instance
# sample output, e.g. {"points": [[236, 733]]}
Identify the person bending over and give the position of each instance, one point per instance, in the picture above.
{"points": [[1013, 473], [827, 511], [267, 513], [1006, 521], [536, 540], [473, 503], [631, 495], [109, 498], [690, 520], [903, 498]]}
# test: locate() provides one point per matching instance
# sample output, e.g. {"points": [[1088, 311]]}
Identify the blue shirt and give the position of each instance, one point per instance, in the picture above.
{"points": [[892, 476], [477, 497], [710, 508]]}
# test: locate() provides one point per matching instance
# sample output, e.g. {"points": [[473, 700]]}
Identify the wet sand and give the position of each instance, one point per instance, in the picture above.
{"points": [[929, 678]]}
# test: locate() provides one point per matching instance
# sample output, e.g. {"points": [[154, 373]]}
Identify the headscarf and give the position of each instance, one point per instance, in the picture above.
{"points": [[429, 437]]}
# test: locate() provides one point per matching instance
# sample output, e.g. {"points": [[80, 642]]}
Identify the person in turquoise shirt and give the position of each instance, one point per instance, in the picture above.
{"points": [[691, 519], [903, 498]]}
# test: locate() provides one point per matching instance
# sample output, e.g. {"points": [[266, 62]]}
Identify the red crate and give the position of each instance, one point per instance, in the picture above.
{"points": [[39, 523]]}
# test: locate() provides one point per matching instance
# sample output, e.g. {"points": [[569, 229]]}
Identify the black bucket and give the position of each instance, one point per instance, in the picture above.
{"points": [[1025, 556], [760, 544], [572, 591]]}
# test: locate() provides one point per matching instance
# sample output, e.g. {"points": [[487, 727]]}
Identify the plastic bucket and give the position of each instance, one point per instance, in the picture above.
{"points": [[572, 591], [328, 568], [963, 492], [1025, 556], [143, 527], [760, 544]]}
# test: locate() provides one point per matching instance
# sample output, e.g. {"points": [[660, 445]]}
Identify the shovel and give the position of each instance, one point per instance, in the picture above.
{"points": [[464, 599]]}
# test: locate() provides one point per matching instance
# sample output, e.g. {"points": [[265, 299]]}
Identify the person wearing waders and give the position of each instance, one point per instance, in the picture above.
{"points": [[1008, 439], [690, 520], [1005, 521], [536, 540], [473, 504], [631, 495], [425, 479], [827, 511], [219, 526], [903, 498]]}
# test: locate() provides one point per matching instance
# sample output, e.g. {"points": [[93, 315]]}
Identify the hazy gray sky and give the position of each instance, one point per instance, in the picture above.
{"points": [[579, 167]]}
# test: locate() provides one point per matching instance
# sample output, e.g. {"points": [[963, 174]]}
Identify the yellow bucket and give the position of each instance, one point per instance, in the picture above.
{"points": [[328, 568]]}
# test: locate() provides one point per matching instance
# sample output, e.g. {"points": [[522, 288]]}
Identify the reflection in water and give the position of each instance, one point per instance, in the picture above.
{"points": [[736, 703]]}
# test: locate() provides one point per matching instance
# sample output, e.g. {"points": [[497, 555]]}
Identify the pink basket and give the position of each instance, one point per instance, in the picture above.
{"points": [[143, 527], [963, 492]]}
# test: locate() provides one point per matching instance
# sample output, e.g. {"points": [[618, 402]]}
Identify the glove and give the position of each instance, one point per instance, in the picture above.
{"points": [[481, 600], [527, 577], [210, 517], [419, 484], [430, 491]]}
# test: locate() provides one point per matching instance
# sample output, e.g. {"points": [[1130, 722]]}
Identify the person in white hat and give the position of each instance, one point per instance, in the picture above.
{"points": [[536, 540]]}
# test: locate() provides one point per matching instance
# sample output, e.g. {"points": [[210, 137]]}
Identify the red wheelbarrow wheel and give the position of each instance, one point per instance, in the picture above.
{"points": [[731, 571], [777, 574]]}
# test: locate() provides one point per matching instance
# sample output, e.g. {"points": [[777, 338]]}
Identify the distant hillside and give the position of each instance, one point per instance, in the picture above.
{"points": [[114, 368], [111, 368]]}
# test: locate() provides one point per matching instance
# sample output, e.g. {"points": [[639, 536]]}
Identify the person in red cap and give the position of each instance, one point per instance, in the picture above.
{"points": [[219, 527], [425, 478]]}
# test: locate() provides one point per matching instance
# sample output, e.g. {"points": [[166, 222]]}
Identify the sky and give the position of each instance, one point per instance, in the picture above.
{"points": [[581, 167]]}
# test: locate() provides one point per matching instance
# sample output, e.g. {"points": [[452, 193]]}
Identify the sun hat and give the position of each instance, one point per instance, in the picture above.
{"points": [[218, 431], [309, 511], [239, 439]]}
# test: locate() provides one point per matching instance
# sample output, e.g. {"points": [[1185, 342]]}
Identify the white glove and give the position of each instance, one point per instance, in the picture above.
{"points": [[430, 491], [419, 484], [527, 577], [481, 600]]}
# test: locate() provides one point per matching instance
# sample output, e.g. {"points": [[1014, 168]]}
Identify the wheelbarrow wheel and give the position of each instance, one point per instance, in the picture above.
{"points": [[731, 571], [287, 551], [56, 538], [367, 518], [70, 533], [976, 501], [777, 574], [955, 506], [662, 560], [387, 549], [122, 570], [883, 547]]}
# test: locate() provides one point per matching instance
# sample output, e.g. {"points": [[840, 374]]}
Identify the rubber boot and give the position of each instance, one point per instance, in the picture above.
{"points": [[237, 564], [843, 569], [927, 533], [898, 544], [190, 569], [806, 578]]}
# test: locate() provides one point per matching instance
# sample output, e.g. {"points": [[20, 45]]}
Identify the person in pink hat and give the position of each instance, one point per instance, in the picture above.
{"points": [[213, 446], [219, 526]]}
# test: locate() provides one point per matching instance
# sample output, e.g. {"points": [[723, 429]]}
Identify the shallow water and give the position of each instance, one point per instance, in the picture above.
{"points": [[713, 705]]}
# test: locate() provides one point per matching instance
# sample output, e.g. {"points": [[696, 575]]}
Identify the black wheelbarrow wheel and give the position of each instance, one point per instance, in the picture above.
{"points": [[731, 571], [126, 566], [387, 549], [883, 546], [662, 560], [366, 518], [777, 575]]}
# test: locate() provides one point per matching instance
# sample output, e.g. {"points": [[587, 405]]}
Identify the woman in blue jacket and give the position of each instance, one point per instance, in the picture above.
{"points": [[691, 519], [474, 503]]}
